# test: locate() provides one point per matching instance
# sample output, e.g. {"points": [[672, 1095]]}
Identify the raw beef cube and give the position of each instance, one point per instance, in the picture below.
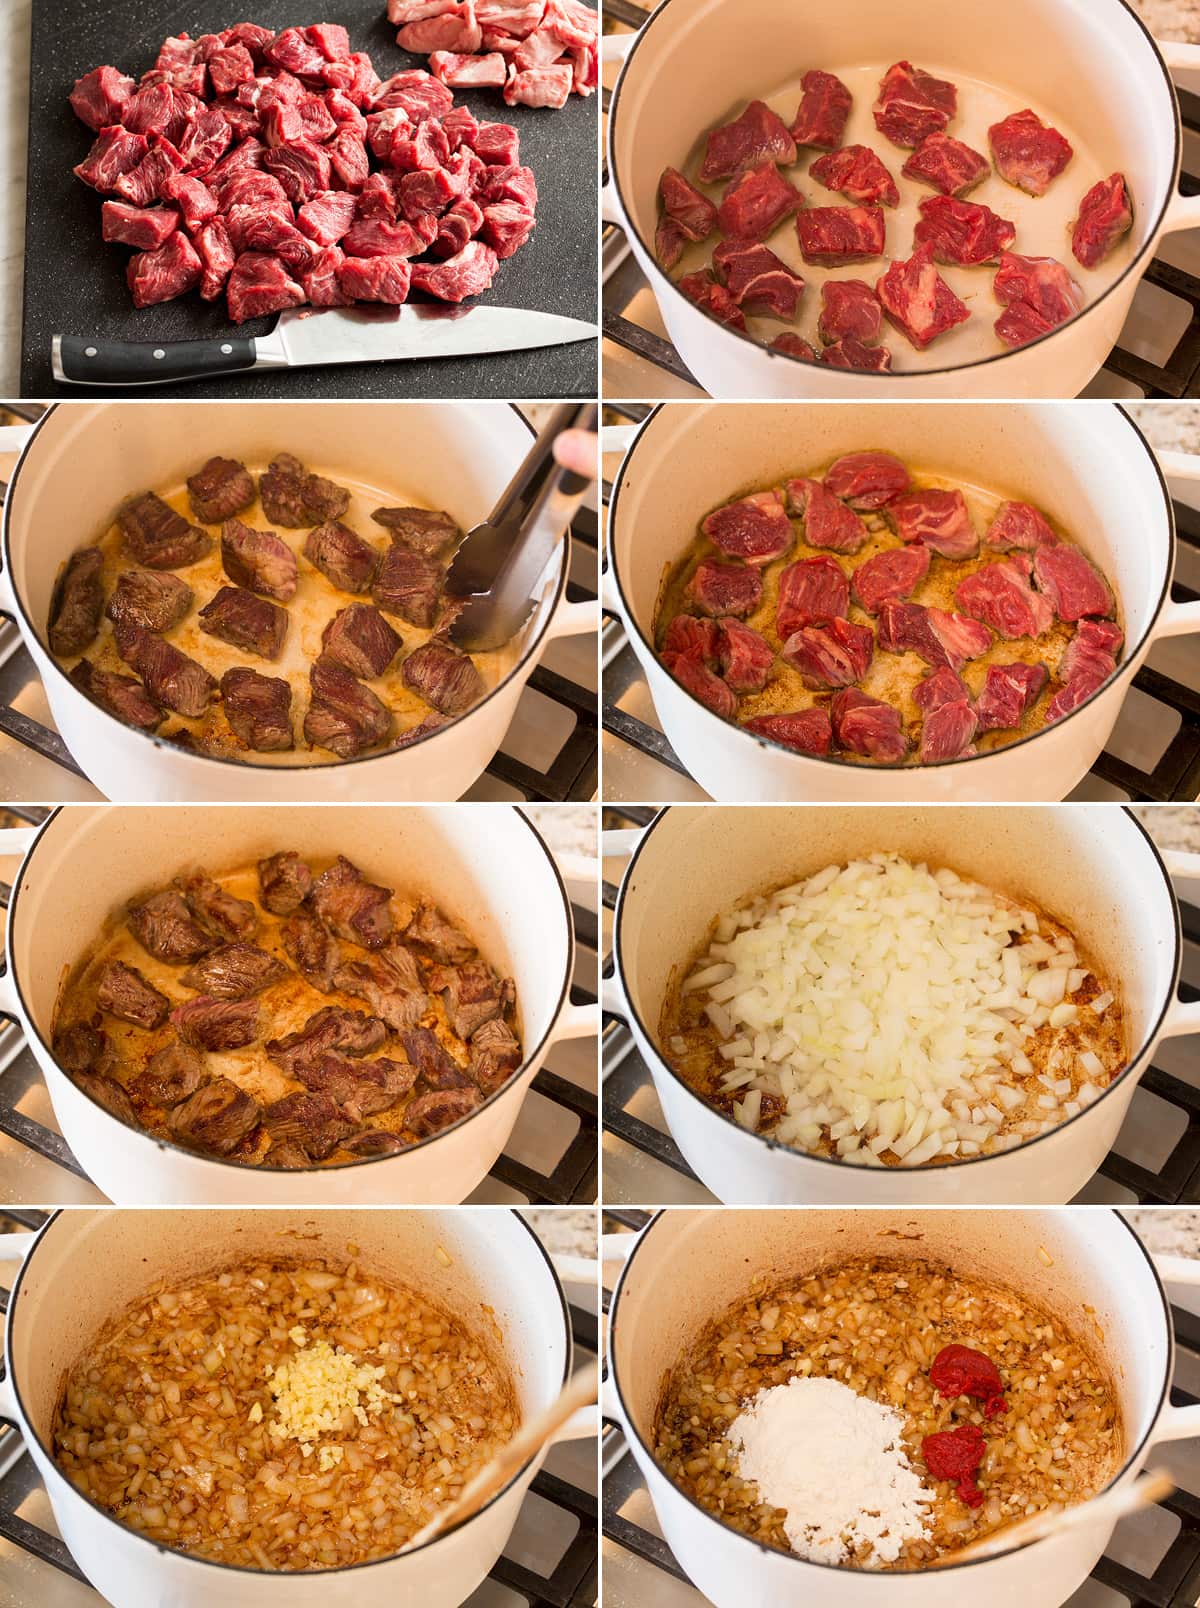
{"points": [[430, 190], [217, 256], [807, 731], [359, 638], [331, 39], [824, 108], [891, 576], [834, 236], [695, 677], [443, 676], [345, 113], [255, 38], [849, 307], [219, 489], [161, 109], [378, 279], [376, 237], [688, 634], [756, 204], [292, 53], [159, 276], [258, 709], [243, 161], [935, 636], [756, 529], [343, 715], [469, 273], [850, 353], [143, 227], [462, 223], [759, 136], [259, 560], [869, 727], [156, 536], [196, 202], [827, 522], [409, 585], [114, 153], [913, 104], [507, 183], [507, 225], [461, 126], [99, 97], [1027, 152], [345, 560], [320, 279], [713, 299], [540, 86], [1094, 640], [812, 591], [316, 121], [867, 480], [77, 603], [1020, 323], [327, 217], [242, 122], [717, 589], [758, 280], [746, 660], [1039, 294], [950, 722], [379, 197], [693, 213], [1105, 216], [962, 233], [170, 677], [145, 183], [205, 141], [229, 68], [260, 284], [120, 696], [348, 161], [302, 168], [497, 144], [454, 29], [835, 655], [1021, 525], [421, 146], [856, 172], [669, 241], [155, 601], [947, 165], [918, 301], [1073, 584], [1001, 596], [247, 621], [1009, 693], [469, 72], [794, 346], [938, 519]]}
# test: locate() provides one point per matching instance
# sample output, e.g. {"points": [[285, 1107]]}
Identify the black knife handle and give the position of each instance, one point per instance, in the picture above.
{"points": [[79, 361]]}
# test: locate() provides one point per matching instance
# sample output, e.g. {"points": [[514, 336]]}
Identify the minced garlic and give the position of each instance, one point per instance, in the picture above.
{"points": [[314, 1391]]}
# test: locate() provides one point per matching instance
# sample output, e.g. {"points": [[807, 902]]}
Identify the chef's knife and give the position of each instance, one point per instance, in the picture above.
{"points": [[305, 336]]}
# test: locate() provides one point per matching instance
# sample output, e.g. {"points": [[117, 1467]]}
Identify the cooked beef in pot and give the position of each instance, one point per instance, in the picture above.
{"points": [[374, 979], [437, 1067], [218, 1117], [360, 639], [345, 560], [443, 676], [235, 971], [373, 1143], [292, 497], [258, 709], [216, 1024], [409, 585], [246, 621], [421, 530], [171, 1075], [495, 1055], [343, 715], [169, 675], [82, 1048], [108, 1093], [156, 536], [125, 993], [217, 908], [259, 560], [430, 1113], [120, 696], [155, 601], [473, 995], [351, 907], [77, 603], [313, 952], [437, 936], [284, 881], [350, 1032], [311, 1121], [166, 929], [221, 488]]}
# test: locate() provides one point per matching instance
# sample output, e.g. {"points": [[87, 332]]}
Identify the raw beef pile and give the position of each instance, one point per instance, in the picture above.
{"points": [[536, 51], [277, 169], [1030, 636], [748, 159]]}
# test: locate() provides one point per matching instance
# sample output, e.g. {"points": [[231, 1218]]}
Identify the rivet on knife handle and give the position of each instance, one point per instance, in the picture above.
{"points": [[80, 361]]}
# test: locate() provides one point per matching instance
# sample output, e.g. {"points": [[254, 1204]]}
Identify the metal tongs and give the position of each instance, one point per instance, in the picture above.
{"points": [[498, 565]]}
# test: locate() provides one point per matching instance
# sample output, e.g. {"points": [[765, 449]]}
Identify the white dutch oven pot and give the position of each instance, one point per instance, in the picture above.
{"points": [[1086, 463], [84, 458], [85, 1267], [1101, 1281], [720, 53], [487, 868], [1090, 865]]}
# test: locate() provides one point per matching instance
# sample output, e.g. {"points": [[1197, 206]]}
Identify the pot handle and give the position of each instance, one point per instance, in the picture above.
{"points": [[572, 619], [581, 1270], [1182, 1017], [13, 1248], [615, 1251], [620, 842], [13, 438], [614, 48], [575, 1022], [13, 840], [1177, 1423], [618, 438], [1179, 619]]}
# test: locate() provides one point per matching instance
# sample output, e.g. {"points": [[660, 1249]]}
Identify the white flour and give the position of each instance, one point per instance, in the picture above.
{"points": [[835, 1461]]}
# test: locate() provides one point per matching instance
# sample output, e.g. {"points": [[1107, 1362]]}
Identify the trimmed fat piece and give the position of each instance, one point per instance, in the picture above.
{"points": [[794, 346], [827, 521], [918, 301], [692, 213], [746, 658], [834, 236], [1000, 594], [813, 591], [756, 204], [807, 731], [259, 560], [867, 480], [938, 519], [716, 589], [824, 108], [849, 307], [758, 280], [836, 655], [947, 165], [695, 677], [913, 104], [857, 173], [1009, 693], [868, 726], [950, 722], [935, 636], [962, 234], [759, 135], [459, 71], [1071, 582], [1027, 152], [891, 576], [1020, 525], [712, 299], [1105, 217], [756, 529], [849, 353]]}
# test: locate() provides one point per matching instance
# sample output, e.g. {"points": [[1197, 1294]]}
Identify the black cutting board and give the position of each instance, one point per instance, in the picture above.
{"points": [[75, 284]]}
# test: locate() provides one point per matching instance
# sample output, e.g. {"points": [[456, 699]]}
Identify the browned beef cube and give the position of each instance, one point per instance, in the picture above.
{"points": [[217, 1117], [293, 497], [375, 1143], [171, 1074], [83, 1048], [285, 882], [351, 907], [421, 530], [223, 487], [120, 696], [164, 926], [409, 585], [258, 709], [380, 1084], [156, 602], [287, 1157], [444, 677], [314, 953], [343, 715], [437, 936], [430, 1113], [473, 995], [359, 638], [311, 1121], [419, 732], [235, 971], [331, 1028], [124, 992], [77, 603], [230, 918], [108, 1093], [432, 1061], [495, 1054], [258, 560], [170, 676], [246, 621], [342, 557], [156, 536], [216, 1024], [377, 981]]}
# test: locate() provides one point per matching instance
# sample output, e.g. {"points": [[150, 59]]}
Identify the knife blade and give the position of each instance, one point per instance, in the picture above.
{"points": [[305, 337]]}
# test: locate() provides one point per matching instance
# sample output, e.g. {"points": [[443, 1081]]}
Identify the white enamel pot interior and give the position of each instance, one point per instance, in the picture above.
{"points": [[1100, 1281], [85, 458], [1091, 866], [487, 868], [1085, 463], [86, 1267], [727, 52]]}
